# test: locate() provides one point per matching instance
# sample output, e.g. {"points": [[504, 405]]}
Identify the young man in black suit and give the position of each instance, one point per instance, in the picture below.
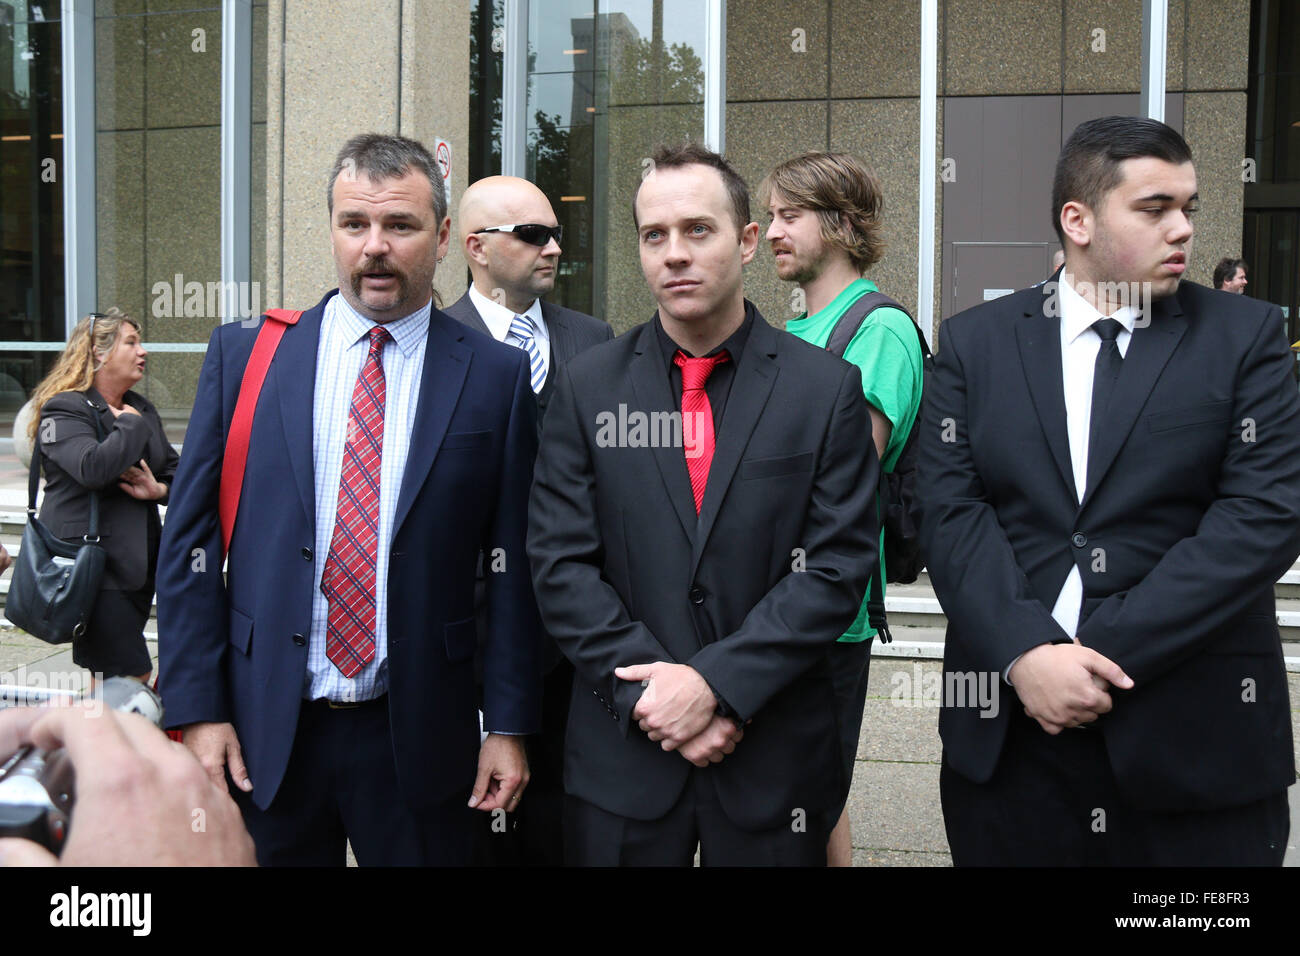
{"points": [[512, 243], [701, 530], [1110, 487]]}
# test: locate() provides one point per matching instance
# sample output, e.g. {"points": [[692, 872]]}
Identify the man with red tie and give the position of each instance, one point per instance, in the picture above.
{"points": [[330, 672], [701, 531]]}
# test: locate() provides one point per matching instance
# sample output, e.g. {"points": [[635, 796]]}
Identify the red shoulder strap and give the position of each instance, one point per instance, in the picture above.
{"points": [[241, 424]]}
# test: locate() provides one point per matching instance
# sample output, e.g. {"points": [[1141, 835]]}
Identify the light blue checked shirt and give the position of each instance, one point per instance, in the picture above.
{"points": [[343, 348]]}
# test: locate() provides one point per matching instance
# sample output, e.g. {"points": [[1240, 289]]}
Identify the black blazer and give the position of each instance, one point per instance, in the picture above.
{"points": [[75, 461], [1191, 514], [570, 333], [752, 593]]}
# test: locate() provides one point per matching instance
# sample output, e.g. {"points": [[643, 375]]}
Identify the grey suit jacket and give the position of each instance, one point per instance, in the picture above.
{"points": [[570, 333]]}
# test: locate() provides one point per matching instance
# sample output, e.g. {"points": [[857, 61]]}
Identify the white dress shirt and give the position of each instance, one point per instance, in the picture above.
{"points": [[498, 318], [1079, 347], [344, 345]]}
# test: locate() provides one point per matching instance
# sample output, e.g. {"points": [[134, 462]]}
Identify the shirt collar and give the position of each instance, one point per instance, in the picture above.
{"points": [[1078, 315], [498, 318], [734, 345], [407, 332]]}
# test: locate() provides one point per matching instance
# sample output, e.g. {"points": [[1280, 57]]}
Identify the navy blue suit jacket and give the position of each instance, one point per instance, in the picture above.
{"points": [[236, 650]]}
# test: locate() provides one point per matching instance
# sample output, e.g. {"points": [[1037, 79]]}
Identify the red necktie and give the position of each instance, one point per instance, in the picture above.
{"points": [[697, 411], [348, 581]]}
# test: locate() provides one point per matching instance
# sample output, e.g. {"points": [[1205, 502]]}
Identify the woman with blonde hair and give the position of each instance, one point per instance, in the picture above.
{"points": [[95, 435]]}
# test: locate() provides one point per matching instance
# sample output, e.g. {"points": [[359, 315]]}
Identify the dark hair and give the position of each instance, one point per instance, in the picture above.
{"points": [[388, 157], [1226, 269], [693, 154], [838, 188], [1088, 167]]}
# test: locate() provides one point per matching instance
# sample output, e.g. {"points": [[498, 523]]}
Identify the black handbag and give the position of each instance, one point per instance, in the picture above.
{"points": [[55, 582]]}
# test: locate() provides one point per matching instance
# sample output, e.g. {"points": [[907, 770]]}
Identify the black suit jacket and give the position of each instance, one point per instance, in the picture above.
{"points": [[1192, 512], [76, 461], [570, 333], [752, 593]]}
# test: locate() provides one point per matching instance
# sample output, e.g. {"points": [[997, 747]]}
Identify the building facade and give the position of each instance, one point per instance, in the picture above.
{"points": [[169, 157]]}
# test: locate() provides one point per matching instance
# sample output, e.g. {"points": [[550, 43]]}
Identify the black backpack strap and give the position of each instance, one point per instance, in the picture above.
{"points": [[876, 607], [838, 343], [853, 317]]}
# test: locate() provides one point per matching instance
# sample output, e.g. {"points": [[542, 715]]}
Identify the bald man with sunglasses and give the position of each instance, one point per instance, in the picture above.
{"points": [[512, 244]]}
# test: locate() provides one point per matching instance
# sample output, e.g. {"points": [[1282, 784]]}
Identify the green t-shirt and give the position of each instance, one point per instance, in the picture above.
{"points": [[887, 352]]}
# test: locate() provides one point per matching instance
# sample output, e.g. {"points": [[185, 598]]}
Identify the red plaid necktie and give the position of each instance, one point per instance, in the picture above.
{"points": [[348, 581], [697, 417]]}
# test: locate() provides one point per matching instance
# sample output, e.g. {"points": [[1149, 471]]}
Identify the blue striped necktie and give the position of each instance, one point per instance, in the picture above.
{"points": [[521, 328]]}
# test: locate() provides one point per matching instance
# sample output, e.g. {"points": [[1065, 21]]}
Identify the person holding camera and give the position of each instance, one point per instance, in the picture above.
{"points": [[96, 436], [141, 799]]}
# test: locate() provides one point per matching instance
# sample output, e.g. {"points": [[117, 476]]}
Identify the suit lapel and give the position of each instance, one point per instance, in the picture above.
{"points": [[755, 375], [650, 386], [1148, 353], [561, 338], [1038, 337], [293, 373], [446, 363]]}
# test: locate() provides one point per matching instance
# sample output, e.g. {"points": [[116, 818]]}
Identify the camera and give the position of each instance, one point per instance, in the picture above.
{"points": [[37, 787]]}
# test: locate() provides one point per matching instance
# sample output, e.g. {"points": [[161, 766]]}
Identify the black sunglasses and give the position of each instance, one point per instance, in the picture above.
{"points": [[533, 233]]}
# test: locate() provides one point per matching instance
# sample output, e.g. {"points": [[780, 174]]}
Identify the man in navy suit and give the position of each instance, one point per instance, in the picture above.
{"points": [[331, 674]]}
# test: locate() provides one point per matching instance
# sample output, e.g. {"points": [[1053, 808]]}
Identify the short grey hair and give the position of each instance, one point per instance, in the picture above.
{"points": [[381, 157]]}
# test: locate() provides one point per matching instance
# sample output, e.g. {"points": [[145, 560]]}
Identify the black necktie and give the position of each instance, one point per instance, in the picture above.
{"points": [[1104, 374]]}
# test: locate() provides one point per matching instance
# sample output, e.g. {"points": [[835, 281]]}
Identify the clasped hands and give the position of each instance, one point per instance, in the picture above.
{"points": [[1066, 685], [678, 710]]}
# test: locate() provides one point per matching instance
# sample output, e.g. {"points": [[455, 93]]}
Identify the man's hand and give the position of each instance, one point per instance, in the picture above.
{"points": [[717, 740], [142, 800], [5, 559], [1065, 685], [676, 705], [216, 746], [138, 482], [502, 774]]}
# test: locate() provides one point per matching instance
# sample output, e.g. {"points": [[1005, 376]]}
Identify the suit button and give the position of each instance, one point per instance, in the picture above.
{"points": [[306, 554], [1079, 539], [300, 640], [696, 595]]}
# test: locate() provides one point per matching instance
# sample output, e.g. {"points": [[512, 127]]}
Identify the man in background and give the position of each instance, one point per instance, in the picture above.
{"points": [[1230, 276], [512, 244], [825, 230]]}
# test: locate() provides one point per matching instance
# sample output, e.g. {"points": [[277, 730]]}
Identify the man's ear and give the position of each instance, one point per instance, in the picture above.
{"points": [[748, 242], [474, 249], [1077, 222]]}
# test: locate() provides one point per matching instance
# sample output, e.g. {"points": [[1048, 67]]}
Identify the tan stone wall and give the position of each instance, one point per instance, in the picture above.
{"points": [[158, 183], [410, 77]]}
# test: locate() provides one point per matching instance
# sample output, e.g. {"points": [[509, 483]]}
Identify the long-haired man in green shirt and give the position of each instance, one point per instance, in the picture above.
{"points": [[825, 232]]}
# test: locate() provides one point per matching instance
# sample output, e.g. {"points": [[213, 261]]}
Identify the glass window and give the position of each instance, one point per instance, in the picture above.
{"points": [[31, 196], [607, 81]]}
